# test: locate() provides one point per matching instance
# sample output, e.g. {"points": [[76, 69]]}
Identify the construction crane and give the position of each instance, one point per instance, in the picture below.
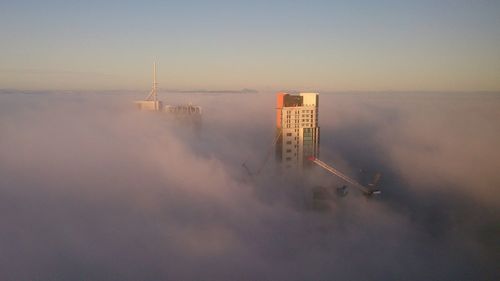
{"points": [[369, 190], [244, 165]]}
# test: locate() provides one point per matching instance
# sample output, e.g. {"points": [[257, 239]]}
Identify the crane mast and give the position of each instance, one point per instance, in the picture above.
{"points": [[259, 170]]}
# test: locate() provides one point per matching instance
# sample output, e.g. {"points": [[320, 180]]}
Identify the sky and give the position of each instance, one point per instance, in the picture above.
{"points": [[266, 45]]}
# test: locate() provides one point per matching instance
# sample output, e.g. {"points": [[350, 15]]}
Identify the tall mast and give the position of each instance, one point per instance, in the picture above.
{"points": [[154, 90], [153, 94]]}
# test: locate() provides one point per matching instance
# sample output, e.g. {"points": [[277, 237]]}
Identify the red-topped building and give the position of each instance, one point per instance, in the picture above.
{"points": [[297, 129]]}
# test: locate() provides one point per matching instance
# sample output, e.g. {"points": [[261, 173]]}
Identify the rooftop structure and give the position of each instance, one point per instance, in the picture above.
{"points": [[297, 129], [184, 111], [187, 114], [151, 102]]}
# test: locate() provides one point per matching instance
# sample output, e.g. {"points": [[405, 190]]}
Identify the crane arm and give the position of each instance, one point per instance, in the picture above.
{"points": [[364, 189]]}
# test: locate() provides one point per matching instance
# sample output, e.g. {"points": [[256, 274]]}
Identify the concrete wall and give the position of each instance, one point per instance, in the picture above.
{"points": [[149, 105]]}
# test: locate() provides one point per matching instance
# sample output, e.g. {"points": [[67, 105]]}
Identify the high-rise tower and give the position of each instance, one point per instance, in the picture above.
{"points": [[297, 129]]}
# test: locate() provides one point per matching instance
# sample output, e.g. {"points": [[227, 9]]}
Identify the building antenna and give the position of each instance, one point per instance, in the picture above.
{"points": [[153, 96]]}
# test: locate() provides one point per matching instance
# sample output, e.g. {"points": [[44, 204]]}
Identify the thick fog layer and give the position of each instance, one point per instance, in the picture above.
{"points": [[91, 189]]}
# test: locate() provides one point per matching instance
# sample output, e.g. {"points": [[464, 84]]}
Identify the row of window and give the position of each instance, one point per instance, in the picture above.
{"points": [[288, 126], [288, 112], [298, 114], [297, 121], [307, 123]]}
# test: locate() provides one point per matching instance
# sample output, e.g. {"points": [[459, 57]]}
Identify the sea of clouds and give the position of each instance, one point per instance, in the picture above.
{"points": [[91, 189]]}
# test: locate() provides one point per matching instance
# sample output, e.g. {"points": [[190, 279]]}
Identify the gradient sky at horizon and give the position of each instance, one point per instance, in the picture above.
{"points": [[268, 45]]}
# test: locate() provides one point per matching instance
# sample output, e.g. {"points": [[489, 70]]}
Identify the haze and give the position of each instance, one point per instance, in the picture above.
{"points": [[268, 45], [91, 188]]}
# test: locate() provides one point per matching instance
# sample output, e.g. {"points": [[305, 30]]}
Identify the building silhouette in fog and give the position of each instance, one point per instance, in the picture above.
{"points": [[297, 129]]}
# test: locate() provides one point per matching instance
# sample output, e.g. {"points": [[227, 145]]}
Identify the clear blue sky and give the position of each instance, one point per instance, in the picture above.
{"points": [[313, 45]]}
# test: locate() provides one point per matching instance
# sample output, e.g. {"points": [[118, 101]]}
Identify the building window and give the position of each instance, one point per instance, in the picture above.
{"points": [[288, 150], [288, 134], [288, 142]]}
